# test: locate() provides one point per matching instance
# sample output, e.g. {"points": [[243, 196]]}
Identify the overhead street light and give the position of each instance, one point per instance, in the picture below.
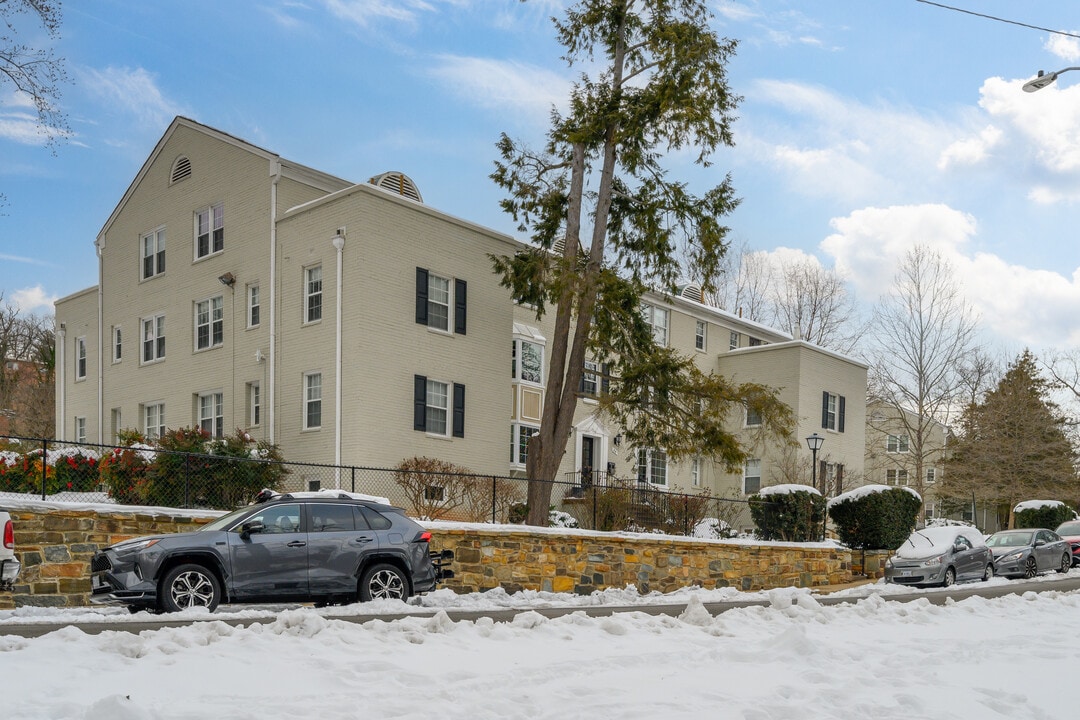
{"points": [[1043, 79]]}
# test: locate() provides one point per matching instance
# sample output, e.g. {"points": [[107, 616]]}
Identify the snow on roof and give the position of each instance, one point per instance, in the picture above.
{"points": [[868, 490], [787, 489], [1036, 504], [933, 540]]}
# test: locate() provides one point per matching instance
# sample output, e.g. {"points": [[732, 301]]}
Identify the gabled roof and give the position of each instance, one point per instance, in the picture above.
{"points": [[293, 170]]}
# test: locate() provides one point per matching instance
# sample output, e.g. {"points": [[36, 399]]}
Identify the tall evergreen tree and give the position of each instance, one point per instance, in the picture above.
{"points": [[660, 86], [1014, 445]]}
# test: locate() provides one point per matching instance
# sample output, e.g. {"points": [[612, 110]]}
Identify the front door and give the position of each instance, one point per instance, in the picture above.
{"points": [[588, 467]]}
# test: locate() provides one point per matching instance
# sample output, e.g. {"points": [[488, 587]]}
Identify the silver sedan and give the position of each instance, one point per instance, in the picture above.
{"points": [[1029, 551]]}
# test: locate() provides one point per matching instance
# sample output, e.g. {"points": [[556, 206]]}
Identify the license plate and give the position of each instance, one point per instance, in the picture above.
{"points": [[905, 573]]}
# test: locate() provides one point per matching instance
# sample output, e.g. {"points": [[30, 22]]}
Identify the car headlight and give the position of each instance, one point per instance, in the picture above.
{"points": [[1011, 556], [135, 545], [934, 560]]}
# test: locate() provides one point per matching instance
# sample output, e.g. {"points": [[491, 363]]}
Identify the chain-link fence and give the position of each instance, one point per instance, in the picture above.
{"points": [[140, 474]]}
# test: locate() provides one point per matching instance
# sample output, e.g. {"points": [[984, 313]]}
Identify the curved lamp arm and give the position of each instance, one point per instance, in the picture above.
{"points": [[1043, 79]]}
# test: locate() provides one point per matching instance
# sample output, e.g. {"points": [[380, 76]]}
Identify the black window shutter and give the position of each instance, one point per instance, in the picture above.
{"points": [[459, 307], [839, 478], [840, 419], [421, 296], [605, 381], [459, 410], [825, 409], [419, 402]]}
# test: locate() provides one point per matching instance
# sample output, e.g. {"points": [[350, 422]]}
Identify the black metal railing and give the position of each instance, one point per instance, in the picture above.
{"points": [[144, 475]]}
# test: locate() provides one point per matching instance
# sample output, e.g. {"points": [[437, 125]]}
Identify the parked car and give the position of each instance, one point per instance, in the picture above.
{"points": [[9, 564], [1029, 551], [940, 556], [1070, 533], [322, 547]]}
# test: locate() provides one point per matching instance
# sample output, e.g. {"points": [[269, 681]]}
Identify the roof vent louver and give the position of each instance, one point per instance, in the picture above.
{"points": [[181, 170], [691, 291], [399, 184]]}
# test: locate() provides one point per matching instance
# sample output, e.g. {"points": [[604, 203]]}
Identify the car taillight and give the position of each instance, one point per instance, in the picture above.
{"points": [[9, 535], [424, 537]]}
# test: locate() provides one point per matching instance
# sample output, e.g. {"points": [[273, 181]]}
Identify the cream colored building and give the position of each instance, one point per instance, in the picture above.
{"points": [[354, 325]]}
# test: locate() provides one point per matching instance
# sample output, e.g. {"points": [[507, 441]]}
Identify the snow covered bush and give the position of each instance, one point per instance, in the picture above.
{"points": [[1042, 514], [875, 517], [560, 519], [794, 513]]}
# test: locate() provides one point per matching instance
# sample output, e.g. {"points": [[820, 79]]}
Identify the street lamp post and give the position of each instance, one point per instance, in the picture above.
{"points": [[814, 442], [1043, 79]]}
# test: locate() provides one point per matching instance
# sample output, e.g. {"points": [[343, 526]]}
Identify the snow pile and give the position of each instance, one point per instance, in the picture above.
{"points": [[787, 490], [932, 540], [868, 490], [1036, 504]]}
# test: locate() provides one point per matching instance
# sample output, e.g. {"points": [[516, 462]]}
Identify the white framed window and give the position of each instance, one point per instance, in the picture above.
{"points": [[752, 476], [209, 323], [896, 477], [209, 230], [438, 407], [733, 340], [590, 380], [117, 424], [253, 306], [313, 294], [527, 361], [931, 476], [254, 396], [312, 401], [438, 302], [897, 444], [752, 341], [753, 417], [80, 429], [212, 414], [695, 472], [153, 253], [435, 493], [832, 411], [80, 358], [700, 328], [153, 338], [520, 434], [153, 420], [652, 466], [657, 319], [117, 344]]}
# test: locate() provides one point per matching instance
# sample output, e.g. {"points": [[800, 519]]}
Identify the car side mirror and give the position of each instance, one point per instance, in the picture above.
{"points": [[248, 528], [1040, 543]]}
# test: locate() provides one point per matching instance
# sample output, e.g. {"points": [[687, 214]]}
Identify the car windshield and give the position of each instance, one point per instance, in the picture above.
{"points": [[932, 540], [224, 521], [1009, 539], [1072, 528]]}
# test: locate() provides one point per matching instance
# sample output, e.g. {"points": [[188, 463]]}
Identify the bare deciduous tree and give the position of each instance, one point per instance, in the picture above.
{"points": [[813, 302], [35, 73], [924, 333]]}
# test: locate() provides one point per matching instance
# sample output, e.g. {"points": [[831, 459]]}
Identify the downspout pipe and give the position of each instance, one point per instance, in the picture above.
{"points": [[61, 379], [100, 347], [339, 245], [271, 390]]}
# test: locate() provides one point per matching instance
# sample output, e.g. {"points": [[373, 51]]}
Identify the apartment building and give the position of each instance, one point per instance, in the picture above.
{"points": [[353, 324]]}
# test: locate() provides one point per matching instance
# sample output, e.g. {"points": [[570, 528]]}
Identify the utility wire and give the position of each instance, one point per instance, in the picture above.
{"points": [[991, 17]]}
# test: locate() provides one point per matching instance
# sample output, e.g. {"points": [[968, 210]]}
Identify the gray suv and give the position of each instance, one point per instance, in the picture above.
{"points": [[302, 547]]}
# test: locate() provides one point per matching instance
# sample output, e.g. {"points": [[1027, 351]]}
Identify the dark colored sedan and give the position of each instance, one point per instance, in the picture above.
{"points": [[320, 547], [1028, 552], [1070, 533]]}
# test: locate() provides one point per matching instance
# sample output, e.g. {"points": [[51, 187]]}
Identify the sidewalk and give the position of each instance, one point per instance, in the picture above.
{"points": [[827, 589]]}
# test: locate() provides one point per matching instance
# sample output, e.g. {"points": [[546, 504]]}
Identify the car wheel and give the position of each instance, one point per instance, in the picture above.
{"points": [[190, 585], [988, 573], [950, 577], [383, 581], [1031, 568], [1066, 563]]}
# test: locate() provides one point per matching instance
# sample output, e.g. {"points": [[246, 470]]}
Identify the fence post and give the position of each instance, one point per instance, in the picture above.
{"points": [[187, 480], [44, 465], [494, 490], [593, 488], [352, 472]]}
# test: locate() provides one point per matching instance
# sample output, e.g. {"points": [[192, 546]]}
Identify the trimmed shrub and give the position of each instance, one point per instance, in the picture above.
{"points": [[1049, 514], [795, 516], [875, 519]]}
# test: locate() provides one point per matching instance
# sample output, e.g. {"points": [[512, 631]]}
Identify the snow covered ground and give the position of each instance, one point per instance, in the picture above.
{"points": [[1012, 657]]}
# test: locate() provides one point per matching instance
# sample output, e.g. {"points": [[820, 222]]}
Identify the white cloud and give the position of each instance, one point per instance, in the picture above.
{"points": [[134, 91], [970, 151], [1047, 120], [363, 12], [502, 85], [735, 11], [33, 300], [1019, 304], [1066, 48]]}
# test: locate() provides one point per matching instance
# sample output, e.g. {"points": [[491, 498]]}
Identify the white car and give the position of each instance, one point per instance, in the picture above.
{"points": [[9, 564]]}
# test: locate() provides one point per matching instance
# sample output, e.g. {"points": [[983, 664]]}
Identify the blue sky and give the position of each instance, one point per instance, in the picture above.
{"points": [[865, 127]]}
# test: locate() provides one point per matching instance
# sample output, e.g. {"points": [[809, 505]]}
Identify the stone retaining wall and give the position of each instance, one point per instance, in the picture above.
{"points": [[55, 545]]}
